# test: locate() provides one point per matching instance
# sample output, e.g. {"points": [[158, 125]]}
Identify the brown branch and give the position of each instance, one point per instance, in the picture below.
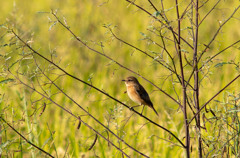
{"points": [[38, 148], [153, 5], [178, 49], [196, 81]]}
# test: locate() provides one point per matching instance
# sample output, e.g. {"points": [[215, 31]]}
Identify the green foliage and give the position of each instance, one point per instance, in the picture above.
{"points": [[51, 128]]}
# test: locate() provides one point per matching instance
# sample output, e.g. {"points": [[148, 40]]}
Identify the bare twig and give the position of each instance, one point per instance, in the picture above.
{"points": [[196, 81], [209, 12], [153, 5]]}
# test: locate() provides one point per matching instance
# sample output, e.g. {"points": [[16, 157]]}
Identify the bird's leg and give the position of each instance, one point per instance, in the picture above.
{"points": [[142, 109], [134, 107]]}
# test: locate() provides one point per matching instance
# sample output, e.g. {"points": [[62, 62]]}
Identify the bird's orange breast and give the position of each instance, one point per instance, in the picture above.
{"points": [[134, 96]]}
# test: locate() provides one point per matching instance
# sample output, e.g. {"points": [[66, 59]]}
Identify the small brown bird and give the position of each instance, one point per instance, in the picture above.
{"points": [[137, 93]]}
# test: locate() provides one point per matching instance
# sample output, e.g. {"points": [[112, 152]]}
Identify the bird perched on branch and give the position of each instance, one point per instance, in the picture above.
{"points": [[137, 93]]}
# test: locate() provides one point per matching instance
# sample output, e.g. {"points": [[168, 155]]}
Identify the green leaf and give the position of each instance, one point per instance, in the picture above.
{"points": [[220, 64], [143, 34], [157, 13], [6, 81]]}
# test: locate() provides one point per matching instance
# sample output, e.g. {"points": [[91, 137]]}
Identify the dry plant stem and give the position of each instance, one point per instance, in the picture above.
{"points": [[87, 112], [78, 39], [213, 98], [196, 82], [97, 89], [69, 112], [178, 42], [168, 26], [214, 37], [38, 148]]}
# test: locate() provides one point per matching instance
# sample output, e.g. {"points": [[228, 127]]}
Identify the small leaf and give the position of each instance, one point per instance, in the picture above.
{"points": [[157, 13], [220, 64], [143, 34], [6, 81]]}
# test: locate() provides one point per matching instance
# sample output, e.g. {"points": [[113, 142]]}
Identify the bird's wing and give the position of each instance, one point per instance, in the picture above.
{"points": [[143, 94]]}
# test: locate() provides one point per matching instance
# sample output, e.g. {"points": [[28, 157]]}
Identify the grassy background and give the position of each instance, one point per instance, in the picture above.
{"points": [[86, 19]]}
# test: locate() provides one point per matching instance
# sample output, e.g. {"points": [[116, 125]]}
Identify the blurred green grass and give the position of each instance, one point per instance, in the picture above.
{"points": [[86, 19]]}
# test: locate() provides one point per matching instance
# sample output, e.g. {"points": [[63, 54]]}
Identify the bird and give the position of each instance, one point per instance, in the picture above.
{"points": [[137, 93]]}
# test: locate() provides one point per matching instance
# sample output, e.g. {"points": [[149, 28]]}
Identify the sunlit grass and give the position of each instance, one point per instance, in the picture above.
{"points": [[87, 19]]}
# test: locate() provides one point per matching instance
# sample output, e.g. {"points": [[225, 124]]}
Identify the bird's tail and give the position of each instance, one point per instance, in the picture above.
{"points": [[155, 110]]}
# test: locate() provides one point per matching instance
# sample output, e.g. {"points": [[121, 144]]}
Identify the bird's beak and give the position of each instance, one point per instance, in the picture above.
{"points": [[124, 80]]}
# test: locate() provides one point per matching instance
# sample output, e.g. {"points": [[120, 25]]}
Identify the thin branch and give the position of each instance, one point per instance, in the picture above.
{"points": [[153, 5], [209, 12], [196, 81], [26, 138], [184, 97], [213, 98], [218, 53]]}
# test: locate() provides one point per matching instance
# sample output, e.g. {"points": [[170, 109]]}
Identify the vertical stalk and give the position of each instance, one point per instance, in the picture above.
{"points": [[28, 123], [196, 82], [0, 136], [187, 136]]}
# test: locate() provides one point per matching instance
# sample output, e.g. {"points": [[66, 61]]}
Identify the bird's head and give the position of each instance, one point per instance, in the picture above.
{"points": [[130, 81]]}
